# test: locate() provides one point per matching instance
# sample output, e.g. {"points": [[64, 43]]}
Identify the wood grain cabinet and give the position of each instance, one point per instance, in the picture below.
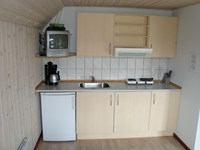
{"points": [[164, 110], [95, 113], [99, 33], [95, 34], [163, 35], [102, 114], [126, 114], [132, 112]]}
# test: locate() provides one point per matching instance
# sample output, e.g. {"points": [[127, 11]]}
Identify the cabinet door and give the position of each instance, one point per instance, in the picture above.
{"points": [[163, 36], [164, 110], [94, 34], [95, 113], [132, 112]]}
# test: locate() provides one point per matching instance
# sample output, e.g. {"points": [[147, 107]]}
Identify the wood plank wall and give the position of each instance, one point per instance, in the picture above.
{"points": [[20, 72]]}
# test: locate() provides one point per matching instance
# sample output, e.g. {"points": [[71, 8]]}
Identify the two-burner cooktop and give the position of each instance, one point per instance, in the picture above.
{"points": [[140, 81]]}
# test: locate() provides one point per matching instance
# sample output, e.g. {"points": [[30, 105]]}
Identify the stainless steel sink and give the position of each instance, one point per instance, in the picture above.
{"points": [[94, 85]]}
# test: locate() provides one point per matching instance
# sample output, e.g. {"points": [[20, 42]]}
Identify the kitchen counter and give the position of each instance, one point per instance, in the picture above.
{"points": [[67, 86]]}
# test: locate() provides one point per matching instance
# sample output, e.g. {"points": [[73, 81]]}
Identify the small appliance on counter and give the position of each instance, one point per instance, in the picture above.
{"points": [[166, 77], [51, 74], [140, 81]]}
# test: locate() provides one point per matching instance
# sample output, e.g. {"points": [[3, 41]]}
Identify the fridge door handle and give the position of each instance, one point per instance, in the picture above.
{"points": [[73, 103]]}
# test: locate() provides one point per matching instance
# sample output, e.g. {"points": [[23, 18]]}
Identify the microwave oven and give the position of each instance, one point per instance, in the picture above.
{"points": [[57, 43]]}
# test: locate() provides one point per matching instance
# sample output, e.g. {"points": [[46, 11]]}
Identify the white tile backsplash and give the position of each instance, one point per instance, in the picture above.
{"points": [[97, 63], [147, 73], [154, 73], [71, 62], [122, 73], [106, 74], [88, 73], [114, 63], [97, 74], [109, 68], [80, 62], [163, 64], [105, 63], [62, 63], [131, 73], [114, 74], [80, 73], [122, 63], [147, 63], [139, 63], [131, 63], [155, 63], [89, 63], [139, 73], [71, 74]]}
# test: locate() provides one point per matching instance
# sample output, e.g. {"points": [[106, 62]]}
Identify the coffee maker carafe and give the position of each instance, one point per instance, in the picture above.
{"points": [[51, 75]]}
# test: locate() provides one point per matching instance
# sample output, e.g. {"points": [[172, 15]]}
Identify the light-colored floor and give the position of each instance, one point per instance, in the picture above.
{"points": [[155, 143]]}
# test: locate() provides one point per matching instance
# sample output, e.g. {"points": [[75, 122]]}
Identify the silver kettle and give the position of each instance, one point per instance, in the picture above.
{"points": [[54, 78]]}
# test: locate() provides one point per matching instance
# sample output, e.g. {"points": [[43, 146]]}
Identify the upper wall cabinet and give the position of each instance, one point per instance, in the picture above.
{"points": [[95, 34], [162, 36], [130, 30], [98, 34]]}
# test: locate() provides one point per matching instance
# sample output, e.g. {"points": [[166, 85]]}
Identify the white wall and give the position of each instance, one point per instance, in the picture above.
{"points": [[186, 67], [68, 17], [20, 74]]}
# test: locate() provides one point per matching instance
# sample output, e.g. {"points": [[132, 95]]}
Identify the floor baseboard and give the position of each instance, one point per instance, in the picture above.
{"points": [[38, 141], [180, 141]]}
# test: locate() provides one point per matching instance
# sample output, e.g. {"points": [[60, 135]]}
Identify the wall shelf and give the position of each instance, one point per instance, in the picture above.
{"points": [[70, 55], [131, 31]]}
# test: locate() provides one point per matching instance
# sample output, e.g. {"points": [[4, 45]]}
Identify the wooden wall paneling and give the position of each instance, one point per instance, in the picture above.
{"points": [[23, 79], [11, 81], [19, 105], [7, 101], [2, 91], [35, 75], [19, 79], [14, 75]]}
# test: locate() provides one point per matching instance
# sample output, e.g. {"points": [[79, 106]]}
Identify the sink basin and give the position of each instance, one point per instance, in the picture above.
{"points": [[94, 85]]}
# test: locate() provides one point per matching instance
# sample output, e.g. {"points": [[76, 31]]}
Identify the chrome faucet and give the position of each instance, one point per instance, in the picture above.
{"points": [[93, 78]]}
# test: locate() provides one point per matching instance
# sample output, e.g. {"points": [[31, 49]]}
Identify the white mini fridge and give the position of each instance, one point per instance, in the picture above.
{"points": [[58, 116]]}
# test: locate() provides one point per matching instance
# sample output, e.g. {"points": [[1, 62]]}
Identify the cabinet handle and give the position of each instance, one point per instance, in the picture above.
{"points": [[110, 48], [117, 99], [154, 99], [110, 100]]}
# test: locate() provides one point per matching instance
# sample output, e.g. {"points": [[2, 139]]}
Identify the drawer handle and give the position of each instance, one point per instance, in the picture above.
{"points": [[154, 99]]}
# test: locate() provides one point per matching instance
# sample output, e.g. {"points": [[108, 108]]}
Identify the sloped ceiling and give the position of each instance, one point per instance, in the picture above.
{"points": [[38, 13], [154, 4], [29, 12]]}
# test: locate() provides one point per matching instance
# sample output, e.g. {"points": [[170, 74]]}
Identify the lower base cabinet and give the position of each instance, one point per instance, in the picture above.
{"points": [[95, 113], [126, 114], [131, 112], [164, 110]]}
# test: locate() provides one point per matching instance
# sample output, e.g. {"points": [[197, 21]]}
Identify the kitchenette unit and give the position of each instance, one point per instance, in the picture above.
{"points": [[109, 110]]}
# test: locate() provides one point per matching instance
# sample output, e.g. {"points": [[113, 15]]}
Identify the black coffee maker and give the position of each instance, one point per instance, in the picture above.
{"points": [[51, 75]]}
